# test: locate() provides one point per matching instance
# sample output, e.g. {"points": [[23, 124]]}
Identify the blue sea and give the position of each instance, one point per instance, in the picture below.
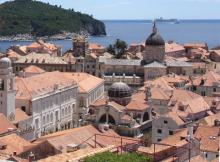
{"points": [[136, 31]]}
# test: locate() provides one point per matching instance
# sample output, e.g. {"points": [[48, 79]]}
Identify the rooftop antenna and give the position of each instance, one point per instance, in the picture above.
{"points": [[154, 27]]}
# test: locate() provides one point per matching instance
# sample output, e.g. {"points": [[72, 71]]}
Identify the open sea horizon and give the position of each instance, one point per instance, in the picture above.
{"points": [[137, 31]]}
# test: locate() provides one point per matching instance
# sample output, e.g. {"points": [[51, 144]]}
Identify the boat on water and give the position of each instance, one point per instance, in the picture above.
{"points": [[162, 20]]}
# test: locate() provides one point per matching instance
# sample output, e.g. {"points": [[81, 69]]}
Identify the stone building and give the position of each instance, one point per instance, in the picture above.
{"points": [[44, 61], [90, 89], [128, 114], [7, 89], [174, 110], [40, 46], [207, 84], [152, 65], [50, 100]]}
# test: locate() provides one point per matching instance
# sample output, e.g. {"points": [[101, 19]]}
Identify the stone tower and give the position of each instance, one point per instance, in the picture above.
{"points": [[7, 89], [80, 46], [154, 47]]}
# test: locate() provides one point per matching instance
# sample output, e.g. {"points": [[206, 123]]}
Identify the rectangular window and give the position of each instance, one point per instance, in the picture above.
{"points": [[165, 122], [170, 132], [158, 140], [159, 131]]}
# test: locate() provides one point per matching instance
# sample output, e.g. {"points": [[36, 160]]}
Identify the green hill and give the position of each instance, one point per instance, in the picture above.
{"points": [[41, 19]]}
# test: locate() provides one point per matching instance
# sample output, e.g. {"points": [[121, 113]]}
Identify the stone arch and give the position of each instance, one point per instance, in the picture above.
{"points": [[110, 119], [146, 117]]}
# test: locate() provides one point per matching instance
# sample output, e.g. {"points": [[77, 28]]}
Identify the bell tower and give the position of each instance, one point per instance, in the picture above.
{"points": [[7, 89], [80, 46]]}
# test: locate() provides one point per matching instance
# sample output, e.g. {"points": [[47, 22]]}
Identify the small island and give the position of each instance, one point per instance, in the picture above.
{"points": [[27, 19]]}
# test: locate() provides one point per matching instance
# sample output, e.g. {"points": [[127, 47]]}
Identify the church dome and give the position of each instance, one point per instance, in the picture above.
{"points": [[119, 90], [155, 39], [5, 62]]}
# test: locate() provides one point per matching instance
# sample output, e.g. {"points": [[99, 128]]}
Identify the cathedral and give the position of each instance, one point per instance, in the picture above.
{"points": [[153, 65]]}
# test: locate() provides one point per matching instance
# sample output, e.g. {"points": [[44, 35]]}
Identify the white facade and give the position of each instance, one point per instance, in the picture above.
{"points": [[55, 111], [51, 110], [88, 98]]}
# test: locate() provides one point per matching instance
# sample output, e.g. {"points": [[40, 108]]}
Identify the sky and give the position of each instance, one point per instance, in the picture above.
{"points": [[143, 9]]}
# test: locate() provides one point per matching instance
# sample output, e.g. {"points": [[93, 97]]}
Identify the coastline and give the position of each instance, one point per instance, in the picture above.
{"points": [[29, 38]]}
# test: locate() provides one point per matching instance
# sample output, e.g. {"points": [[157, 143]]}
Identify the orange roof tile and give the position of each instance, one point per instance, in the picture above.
{"points": [[198, 158], [20, 116], [209, 138], [5, 124], [95, 46], [81, 135], [85, 81], [173, 47], [31, 87], [209, 79], [14, 144], [138, 102], [100, 102], [33, 69]]}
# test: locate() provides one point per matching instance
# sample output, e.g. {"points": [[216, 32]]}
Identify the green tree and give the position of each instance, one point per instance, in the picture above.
{"points": [[118, 48], [111, 157], [111, 49]]}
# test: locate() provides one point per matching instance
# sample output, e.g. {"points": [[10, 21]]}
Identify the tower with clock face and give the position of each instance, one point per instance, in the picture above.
{"points": [[7, 89]]}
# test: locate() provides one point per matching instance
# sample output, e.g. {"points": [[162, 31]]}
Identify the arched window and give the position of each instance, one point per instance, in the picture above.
{"points": [[63, 112], [51, 117], [44, 120], [69, 110], [66, 113], [48, 119], [146, 117]]}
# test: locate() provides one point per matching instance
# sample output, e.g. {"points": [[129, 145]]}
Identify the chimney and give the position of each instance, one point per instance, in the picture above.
{"points": [[190, 131], [14, 153], [31, 157]]}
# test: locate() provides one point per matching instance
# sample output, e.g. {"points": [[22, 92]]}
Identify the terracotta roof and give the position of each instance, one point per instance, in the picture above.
{"points": [[117, 106], [209, 79], [12, 54], [159, 82], [195, 45], [42, 58], [85, 81], [160, 94], [126, 118], [138, 102], [150, 150], [5, 124], [79, 136], [198, 158], [174, 116], [190, 101], [76, 155], [99, 102], [209, 138], [210, 120], [93, 55], [95, 46], [68, 57], [173, 47], [20, 116], [31, 87], [216, 52], [34, 45], [177, 139], [14, 144], [33, 69]]}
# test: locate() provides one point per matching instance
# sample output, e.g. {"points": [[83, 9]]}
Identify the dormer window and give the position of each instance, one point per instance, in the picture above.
{"points": [[181, 108]]}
